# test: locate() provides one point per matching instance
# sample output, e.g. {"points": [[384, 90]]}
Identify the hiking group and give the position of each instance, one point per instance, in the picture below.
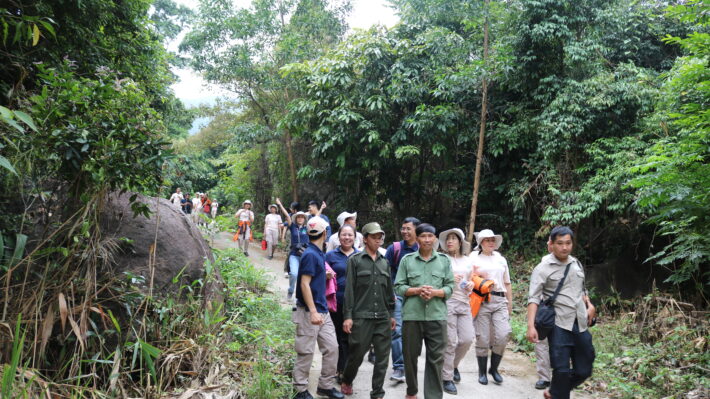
{"points": [[352, 297], [199, 204]]}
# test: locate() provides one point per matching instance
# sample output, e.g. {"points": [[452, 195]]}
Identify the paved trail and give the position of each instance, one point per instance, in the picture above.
{"points": [[517, 370]]}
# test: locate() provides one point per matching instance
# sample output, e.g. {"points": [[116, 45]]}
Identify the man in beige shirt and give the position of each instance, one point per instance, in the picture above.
{"points": [[570, 339]]}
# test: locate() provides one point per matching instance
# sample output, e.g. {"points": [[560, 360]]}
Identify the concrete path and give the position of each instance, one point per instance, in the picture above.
{"points": [[517, 370]]}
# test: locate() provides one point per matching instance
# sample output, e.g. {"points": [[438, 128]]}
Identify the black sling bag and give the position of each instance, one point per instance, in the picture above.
{"points": [[545, 316]]}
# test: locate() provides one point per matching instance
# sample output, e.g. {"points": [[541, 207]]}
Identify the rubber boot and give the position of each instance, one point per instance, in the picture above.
{"points": [[482, 365], [495, 362]]}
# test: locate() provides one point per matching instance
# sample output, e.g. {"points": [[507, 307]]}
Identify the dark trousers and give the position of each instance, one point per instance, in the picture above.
{"points": [[366, 332], [341, 336], [565, 347], [433, 334]]}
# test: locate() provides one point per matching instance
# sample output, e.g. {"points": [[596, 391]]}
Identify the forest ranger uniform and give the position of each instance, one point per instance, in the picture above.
{"points": [[369, 303]]}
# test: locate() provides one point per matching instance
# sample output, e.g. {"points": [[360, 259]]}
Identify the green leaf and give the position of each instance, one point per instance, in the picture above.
{"points": [[27, 119], [6, 164], [35, 35]]}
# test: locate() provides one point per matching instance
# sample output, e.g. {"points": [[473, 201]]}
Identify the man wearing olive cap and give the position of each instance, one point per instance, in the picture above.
{"points": [[369, 311]]}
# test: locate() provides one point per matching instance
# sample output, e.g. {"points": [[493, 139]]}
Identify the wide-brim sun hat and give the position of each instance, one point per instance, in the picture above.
{"points": [[273, 206], [300, 213], [488, 233], [465, 245], [344, 216], [246, 202]]}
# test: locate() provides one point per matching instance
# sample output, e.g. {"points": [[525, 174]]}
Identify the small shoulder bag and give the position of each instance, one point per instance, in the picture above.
{"points": [[545, 316]]}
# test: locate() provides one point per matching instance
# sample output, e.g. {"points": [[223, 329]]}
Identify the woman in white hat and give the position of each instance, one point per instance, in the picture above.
{"points": [[272, 227], [493, 320], [459, 319], [246, 218]]}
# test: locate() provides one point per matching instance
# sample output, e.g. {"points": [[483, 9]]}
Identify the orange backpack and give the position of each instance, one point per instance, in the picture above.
{"points": [[481, 293]]}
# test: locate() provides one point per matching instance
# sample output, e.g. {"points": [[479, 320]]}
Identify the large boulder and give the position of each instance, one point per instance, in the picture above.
{"points": [[179, 248]]}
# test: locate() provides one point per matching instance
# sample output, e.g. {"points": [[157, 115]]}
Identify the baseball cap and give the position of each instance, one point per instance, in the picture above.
{"points": [[372, 228], [316, 225]]}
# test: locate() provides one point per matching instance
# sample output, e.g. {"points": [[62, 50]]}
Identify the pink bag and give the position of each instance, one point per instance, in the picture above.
{"points": [[331, 288]]}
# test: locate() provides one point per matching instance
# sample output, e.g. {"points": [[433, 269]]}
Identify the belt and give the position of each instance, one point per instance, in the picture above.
{"points": [[498, 293], [371, 315]]}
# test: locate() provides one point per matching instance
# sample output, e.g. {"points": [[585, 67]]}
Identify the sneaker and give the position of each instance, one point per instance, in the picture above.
{"points": [[450, 387], [330, 393], [285, 275], [397, 375], [303, 395], [542, 384], [457, 375]]}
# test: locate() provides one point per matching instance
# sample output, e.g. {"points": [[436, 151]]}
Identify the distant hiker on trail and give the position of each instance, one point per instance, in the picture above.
{"points": [[343, 219], [394, 255], [338, 261], [295, 207], [313, 322], [314, 210], [187, 205], [369, 310], [493, 320], [244, 233], [426, 282], [272, 225], [205, 207], [215, 205], [196, 202], [299, 242], [176, 197], [569, 339], [460, 331]]}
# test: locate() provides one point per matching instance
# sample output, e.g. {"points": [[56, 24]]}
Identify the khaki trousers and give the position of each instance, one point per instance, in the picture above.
{"points": [[460, 334], [542, 364], [307, 335], [243, 241], [272, 237], [492, 326]]}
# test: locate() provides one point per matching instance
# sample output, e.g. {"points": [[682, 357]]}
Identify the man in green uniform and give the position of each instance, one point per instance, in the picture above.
{"points": [[426, 281], [368, 311]]}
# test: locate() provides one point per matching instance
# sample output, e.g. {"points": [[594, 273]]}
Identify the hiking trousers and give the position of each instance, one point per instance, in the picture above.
{"points": [[460, 334], [542, 364], [433, 334], [565, 347], [272, 238], [366, 332], [492, 326], [307, 335]]}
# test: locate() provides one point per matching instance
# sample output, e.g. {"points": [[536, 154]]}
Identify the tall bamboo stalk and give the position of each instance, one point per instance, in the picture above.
{"points": [[482, 131]]}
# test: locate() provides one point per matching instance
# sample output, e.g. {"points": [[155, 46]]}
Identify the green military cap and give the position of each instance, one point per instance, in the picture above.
{"points": [[372, 228]]}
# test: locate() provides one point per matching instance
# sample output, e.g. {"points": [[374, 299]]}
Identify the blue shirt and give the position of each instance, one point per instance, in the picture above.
{"points": [[338, 261], [404, 250], [313, 264], [298, 235], [328, 231]]}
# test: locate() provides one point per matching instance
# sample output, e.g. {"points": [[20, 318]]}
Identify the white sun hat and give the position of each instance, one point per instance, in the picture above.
{"points": [[344, 216], [488, 233], [465, 245]]}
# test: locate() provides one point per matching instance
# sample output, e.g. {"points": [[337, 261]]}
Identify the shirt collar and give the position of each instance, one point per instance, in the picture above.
{"points": [[310, 244], [414, 247], [552, 260], [434, 255], [337, 249]]}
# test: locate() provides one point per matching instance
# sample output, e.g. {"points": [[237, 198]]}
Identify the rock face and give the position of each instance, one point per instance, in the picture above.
{"points": [[179, 246]]}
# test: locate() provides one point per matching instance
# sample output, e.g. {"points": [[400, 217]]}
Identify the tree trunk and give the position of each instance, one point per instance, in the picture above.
{"points": [[481, 134], [291, 165]]}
